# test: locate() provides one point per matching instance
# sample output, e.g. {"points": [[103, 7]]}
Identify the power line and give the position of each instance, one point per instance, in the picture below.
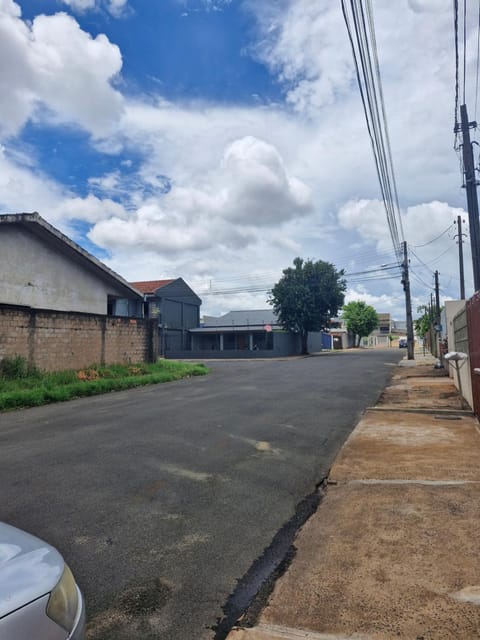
{"points": [[441, 255], [382, 103], [355, 277], [478, 61], [364, 49], [464, 47], [419, 279], [421, 261], [363, 258], [419, 246], [455, 25]]}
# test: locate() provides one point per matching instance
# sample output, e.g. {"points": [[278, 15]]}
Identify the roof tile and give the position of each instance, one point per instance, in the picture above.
{"points": [[150, 286]]}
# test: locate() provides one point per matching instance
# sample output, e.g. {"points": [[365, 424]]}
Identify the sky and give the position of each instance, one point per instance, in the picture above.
{"points": [[216, 140]]}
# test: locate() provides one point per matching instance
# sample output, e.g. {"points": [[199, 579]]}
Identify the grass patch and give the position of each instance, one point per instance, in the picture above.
{"points": [[20, 387]]}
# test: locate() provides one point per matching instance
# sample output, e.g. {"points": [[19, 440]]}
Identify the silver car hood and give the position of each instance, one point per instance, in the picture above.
{"points": [[29, 568]]}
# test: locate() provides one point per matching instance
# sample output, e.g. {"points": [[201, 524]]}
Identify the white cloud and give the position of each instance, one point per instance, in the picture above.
{"points": [[89, 209], [260, 191], [432, 240], [367, 217], [24, 188], [304, 43], [80, 5], [385, 302], [421, 222], [51, 68], [116, 8], [248, 190]]}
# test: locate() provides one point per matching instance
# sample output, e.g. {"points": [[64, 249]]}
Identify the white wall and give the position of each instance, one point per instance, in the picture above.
{"points": [[35, 274], [452, 307]]}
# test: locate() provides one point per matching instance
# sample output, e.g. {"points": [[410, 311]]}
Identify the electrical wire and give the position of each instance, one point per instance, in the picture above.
{"points": [[448, 250], [464, 47], [363, 258], [478, 62], [382, 104], [419, 246], [421, 261], [355, 277], [361, 33], [457, 82], [425, 264], [419, 279]]}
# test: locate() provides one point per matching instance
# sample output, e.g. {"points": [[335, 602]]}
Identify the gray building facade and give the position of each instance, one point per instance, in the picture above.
{"points": [[43, 269], [176, 307]]}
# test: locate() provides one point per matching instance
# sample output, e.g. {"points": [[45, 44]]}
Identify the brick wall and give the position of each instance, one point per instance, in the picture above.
{"points": [[56, 340]]}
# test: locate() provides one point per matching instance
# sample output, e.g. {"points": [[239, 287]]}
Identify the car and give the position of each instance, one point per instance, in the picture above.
{"points": [[39, 598], [402, 343]]}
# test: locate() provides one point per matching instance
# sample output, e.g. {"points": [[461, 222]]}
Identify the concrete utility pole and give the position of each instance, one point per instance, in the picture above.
{"points": [[408, 303], [460, 257], [437, 317], [471, 188], [432, 323], [437, 299]]}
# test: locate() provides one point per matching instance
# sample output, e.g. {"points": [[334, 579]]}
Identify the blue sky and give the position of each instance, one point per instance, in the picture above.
{"points": [[218, 139]]}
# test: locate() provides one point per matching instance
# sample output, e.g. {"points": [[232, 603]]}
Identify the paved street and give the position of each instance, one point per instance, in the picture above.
{"points": [[161, 498]]}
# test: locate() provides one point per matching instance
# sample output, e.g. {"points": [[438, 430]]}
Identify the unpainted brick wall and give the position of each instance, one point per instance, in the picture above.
{"points": [[56, 340]]}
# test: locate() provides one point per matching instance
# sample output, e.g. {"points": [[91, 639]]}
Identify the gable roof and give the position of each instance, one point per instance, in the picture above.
{"points": [[35, 224], [150, 286], [176, 289]]}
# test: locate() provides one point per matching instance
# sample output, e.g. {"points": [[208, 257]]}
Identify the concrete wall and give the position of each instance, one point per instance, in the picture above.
{"points": [[36, 275], [457, 335], [55, 340]]}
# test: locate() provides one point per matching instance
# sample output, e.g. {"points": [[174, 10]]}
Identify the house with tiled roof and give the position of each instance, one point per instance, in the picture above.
{"points": [[176, 307], [149, 287]]}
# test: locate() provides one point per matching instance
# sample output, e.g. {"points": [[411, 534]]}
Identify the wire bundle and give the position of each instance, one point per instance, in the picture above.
{"points": [[361, 32]]}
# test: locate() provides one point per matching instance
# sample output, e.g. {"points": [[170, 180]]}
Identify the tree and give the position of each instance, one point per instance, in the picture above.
{"points": [[360, 318], [307, 296], [423, 323]]}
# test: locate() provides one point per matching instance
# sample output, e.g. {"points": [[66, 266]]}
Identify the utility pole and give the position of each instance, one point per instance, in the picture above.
{"points": [[432, 323], [471, 188], [437, 299], [437, 318], [408, 303], [460, 257]]}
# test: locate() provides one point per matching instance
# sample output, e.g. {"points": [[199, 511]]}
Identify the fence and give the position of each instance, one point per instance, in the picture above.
{"points": [[56, 340]]}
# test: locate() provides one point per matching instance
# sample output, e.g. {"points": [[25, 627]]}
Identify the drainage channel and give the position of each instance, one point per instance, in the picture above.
{"points": [[253, 590]]}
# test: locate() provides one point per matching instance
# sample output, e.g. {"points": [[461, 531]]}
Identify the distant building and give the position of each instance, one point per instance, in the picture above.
{"points": [[177, 308], [252, 333], [387, 333]]}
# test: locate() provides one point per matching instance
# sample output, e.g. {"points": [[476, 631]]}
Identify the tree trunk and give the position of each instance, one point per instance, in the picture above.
{"points": [[304, 337]]}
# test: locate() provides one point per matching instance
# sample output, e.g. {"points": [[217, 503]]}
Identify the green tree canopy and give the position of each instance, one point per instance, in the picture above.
{"points": [[360, 318], [307, 296], [422, 323]]}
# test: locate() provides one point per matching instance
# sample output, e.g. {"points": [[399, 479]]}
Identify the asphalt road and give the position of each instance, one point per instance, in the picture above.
{"points": [[161, 498]]}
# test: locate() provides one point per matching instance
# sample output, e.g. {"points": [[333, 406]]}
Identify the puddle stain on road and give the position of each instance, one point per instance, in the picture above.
{"points": [[181, 472], [132, 613], [260, 445]]}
